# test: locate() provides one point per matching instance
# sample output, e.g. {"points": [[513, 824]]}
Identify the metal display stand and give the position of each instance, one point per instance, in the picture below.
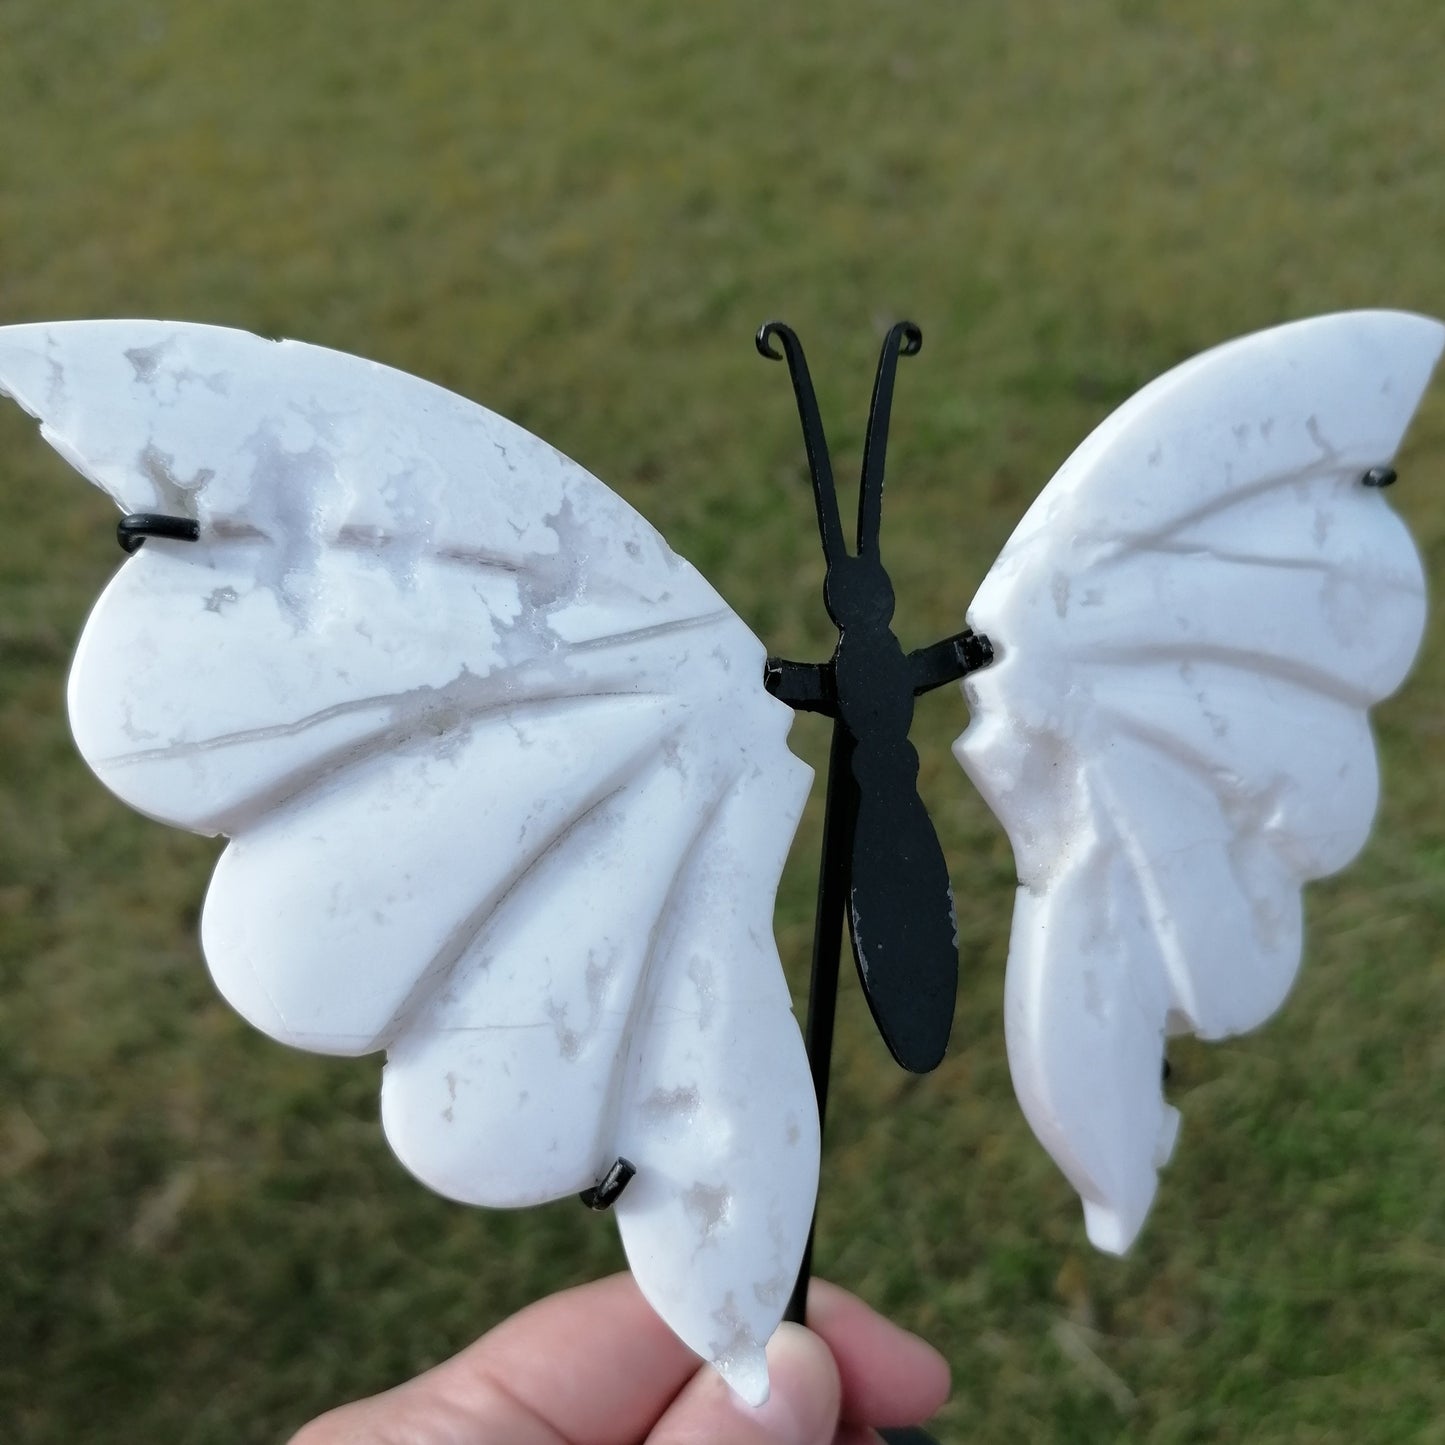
{"points": [[882, 865]]}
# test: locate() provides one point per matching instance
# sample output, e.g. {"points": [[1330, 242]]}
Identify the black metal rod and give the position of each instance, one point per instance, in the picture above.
{"points": [[838, 809], [839, 806]]}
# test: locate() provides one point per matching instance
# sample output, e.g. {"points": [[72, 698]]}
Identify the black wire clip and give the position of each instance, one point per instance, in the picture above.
{"points": [[135, 527], [606, 1192]]}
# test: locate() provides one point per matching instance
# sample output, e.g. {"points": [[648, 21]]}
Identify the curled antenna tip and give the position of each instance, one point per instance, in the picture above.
{"points": [[912, 338], [764, 339]]}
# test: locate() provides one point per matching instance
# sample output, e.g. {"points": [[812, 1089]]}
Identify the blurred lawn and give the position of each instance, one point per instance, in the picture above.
{"points": [[578, 214]]}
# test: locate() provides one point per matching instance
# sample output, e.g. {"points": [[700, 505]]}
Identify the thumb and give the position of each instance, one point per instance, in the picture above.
{"points": [[802, 1408]]}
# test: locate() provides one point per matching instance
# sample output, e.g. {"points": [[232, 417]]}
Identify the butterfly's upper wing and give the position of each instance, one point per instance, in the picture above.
{"points": [[507, 796], [1190, 623]]}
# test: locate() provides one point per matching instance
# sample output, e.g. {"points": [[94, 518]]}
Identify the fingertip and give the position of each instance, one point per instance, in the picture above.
{"points": [[925, 1369], [889, 1375], [806, 1391], [932, 1380]]}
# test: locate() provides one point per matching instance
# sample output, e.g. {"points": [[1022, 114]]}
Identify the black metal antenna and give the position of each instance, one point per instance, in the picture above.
{"points": [[820, 465], [903, 339]]}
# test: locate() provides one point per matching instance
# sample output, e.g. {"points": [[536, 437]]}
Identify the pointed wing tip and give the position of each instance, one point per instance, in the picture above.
{"points": [[1114, 1226], [1425, 332], [1109, 1229], [1409, 339], [1429, 328], [745, 1369], [21, 365], [1397, 326]]}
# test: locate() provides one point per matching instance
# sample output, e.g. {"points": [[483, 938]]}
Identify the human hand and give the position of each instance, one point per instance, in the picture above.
{"points": [[595, 1366]]}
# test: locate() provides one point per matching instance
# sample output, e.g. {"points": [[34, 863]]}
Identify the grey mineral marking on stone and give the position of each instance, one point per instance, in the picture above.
{"points": [[549, 582], [668, 1105], [570, 1040], [218, 382], [737, 1346], [145, 360], [1059, 587], [129, 727], [174, 494], [1317, 436], [672, 754], [700, 974], [773, 1291], [709, 1207], [146, 363], [55, 385], [234, 530], [569, 1044], [289, 489]]}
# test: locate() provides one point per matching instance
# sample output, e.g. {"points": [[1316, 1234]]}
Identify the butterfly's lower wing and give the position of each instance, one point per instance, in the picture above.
{"points": [[507, 797], [1189, 624]]}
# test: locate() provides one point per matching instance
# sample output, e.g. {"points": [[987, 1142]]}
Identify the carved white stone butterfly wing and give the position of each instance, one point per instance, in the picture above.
{"points": [[1190, 623], [506, 795]]}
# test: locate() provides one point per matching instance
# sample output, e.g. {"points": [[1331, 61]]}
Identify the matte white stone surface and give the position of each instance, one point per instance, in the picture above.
{"points": [[1190, 622], [506, 795]]}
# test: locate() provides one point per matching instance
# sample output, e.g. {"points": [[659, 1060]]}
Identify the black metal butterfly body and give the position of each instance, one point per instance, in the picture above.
{"points": [[880, 850]]}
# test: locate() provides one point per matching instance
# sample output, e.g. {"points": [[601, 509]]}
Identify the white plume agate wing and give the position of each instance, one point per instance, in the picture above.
{"points": [[506, 795], [1190, 623]]}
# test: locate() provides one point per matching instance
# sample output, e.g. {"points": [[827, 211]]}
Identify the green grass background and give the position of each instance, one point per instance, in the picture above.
{"points": [[578, 213]]}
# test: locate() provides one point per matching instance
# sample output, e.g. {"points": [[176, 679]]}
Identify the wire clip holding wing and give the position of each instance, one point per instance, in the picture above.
{"points": [[135, 527], [606, 1192]]}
